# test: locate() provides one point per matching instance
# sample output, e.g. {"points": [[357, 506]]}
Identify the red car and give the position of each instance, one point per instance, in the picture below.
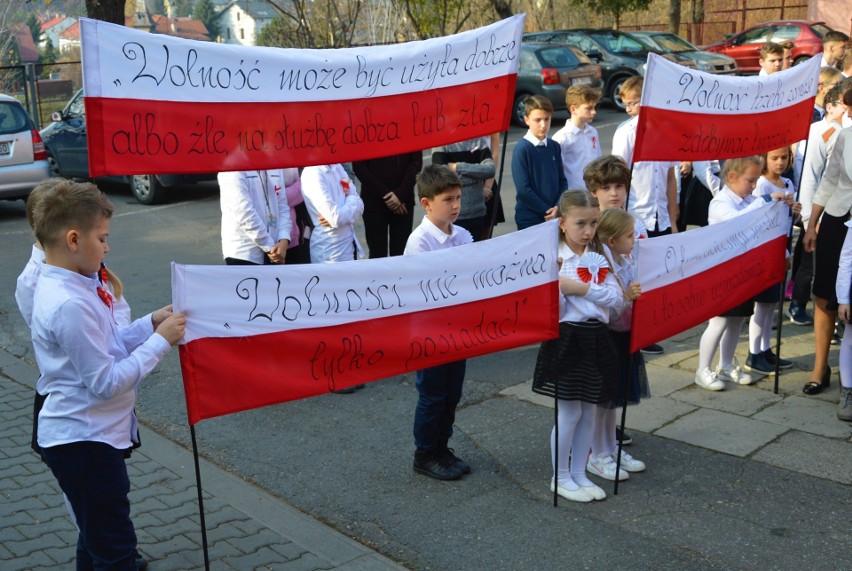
{"points": [[745, 46]]}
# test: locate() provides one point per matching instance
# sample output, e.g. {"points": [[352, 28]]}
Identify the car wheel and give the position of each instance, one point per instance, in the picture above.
{"points": [[53, 164], [519, 109], [147, 189], [614, 88]]}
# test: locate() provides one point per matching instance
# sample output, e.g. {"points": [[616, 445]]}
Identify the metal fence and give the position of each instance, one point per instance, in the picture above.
{"points": [[42, 88]]}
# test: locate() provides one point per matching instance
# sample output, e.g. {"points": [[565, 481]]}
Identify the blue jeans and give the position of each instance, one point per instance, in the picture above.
{"points": [[93, 476], [440, 390]]}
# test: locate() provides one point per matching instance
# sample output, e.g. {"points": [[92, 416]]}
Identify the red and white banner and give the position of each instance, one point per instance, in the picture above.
{"points": [[689, 277], [692, 115], [160, 104], [261, 335]]}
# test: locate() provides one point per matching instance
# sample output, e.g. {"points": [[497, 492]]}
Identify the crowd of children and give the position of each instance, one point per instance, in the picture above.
{"points": [[91, 356]]}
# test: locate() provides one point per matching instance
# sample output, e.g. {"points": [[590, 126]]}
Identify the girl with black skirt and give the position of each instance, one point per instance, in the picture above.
{"points": [[579, 368]]}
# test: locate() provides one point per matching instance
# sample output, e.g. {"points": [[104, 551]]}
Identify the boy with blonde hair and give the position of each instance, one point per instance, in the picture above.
{"points": [[90, 371], [578, 140]]}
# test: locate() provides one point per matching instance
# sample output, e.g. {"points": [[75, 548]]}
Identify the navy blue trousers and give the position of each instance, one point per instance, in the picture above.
{"points": [[93, 476], [440, 390]]}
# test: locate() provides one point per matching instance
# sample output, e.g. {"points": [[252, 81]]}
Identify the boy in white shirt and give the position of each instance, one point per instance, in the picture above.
{"points": [[439, 388], [578, 139], [653, 189], [771, 58], [90, 371], [334, 205], [833, 48]]}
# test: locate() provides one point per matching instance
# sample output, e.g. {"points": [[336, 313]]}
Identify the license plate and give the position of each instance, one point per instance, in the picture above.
{"points": [[581, 81], [4, 148]]}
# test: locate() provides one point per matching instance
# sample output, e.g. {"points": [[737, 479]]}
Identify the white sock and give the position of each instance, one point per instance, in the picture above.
{"points": [[846, 358], [569, 416], [729, 340], [760, 327], [710, 341], [603, 431], [582, 445]]}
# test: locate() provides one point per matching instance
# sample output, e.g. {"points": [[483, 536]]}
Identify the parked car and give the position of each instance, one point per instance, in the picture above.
{"points": [[23, 160], [550, 69], [619, 55], [745, 46], [669, 43], [68, 155]]}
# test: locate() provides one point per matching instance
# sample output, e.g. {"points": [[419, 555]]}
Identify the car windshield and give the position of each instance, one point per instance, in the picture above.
{"points": [[13, 118], [557, 57], [649, 43], [673, 43], [619, 43]]}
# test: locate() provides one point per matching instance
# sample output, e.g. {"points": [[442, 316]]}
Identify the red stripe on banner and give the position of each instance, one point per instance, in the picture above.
{"points": [[664, 135], [131, 136], [666, 311], [226, 375]]}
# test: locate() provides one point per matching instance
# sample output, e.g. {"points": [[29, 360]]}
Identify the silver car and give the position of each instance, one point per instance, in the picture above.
{"points": [[704, 61], [23, 158]]}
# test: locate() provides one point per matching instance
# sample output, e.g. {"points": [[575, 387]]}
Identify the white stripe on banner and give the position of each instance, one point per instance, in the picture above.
{"points": [[675, 88], [124, 63], [665, 260], [239, 301]]}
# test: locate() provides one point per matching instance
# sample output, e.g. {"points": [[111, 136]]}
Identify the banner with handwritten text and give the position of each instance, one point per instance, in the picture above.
{"points": [[691, 115], [160, 104], [688, 278], [261, 335]]}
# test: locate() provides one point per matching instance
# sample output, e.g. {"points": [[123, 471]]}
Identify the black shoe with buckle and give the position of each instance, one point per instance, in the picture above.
{"points": [[435, 464]]}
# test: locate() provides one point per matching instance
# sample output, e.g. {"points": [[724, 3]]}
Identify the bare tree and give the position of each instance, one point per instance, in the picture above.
{"points": [[106, 10], [674, 16], [503, 8], [317, 23], [434, 18], [381, 22]]}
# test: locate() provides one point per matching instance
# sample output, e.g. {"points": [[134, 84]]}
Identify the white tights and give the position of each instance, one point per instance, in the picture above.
{"points": [[603, 438], [760, 327], [721, 332], [846, 358], [575, 440]]}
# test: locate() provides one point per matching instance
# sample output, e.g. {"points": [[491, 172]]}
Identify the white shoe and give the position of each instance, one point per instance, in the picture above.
{"points": [[596, 492], [706, 379], [733, 373], [604, 467], [628, 462], [578, 495]]}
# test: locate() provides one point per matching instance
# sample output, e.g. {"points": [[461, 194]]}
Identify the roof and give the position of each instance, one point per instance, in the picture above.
{"points": [[257, 9], [185, 27], [72, 32], [26, 47], [48, 24]]}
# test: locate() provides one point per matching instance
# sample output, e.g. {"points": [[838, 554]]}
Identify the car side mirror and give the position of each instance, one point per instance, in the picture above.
{"points": [[56, 116]]}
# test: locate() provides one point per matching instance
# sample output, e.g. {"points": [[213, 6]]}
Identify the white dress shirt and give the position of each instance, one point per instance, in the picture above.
{"points": [[255, 214], [90, 368], [427, 237], [764, 186], [325, 195], [579, 148], [649, 186], [727, 205], [599, 301], [835, 188], [821, 140]]}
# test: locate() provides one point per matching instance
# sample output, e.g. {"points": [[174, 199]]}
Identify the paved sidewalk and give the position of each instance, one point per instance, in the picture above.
{"points": [[788, 430], [247, 528]]}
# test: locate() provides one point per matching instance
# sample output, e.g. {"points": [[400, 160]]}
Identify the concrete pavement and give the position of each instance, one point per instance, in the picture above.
{"points": [[754, 429]]}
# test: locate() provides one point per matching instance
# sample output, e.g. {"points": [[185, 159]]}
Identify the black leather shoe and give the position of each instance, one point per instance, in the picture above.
{"points": [[814, 388], [346, 391], [456, 461], [435, 465], [141, 562]]}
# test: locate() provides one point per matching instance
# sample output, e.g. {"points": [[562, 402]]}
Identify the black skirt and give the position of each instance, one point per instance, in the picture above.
{"points": [[772, 294], [634, 369], [832, 233], [581, 364], [745, 309]]}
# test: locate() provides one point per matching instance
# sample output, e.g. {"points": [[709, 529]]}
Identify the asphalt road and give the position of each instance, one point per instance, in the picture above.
{"points": [[346, 459]]}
